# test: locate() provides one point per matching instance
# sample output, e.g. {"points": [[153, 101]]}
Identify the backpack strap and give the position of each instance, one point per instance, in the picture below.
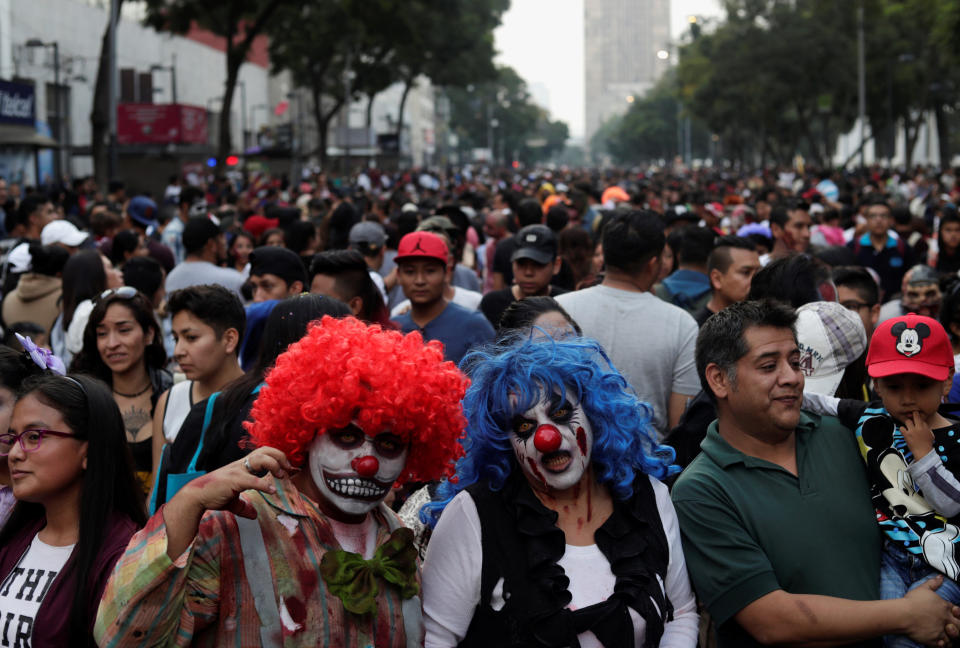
{"points": [[207, 415]]}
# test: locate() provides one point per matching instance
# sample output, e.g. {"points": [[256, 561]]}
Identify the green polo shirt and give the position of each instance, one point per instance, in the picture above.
{"points": [[749, 527]]}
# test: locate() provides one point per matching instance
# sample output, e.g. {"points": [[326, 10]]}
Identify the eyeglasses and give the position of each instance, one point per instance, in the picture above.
{"points": [[854, 305], [29, 439], [123, 292]]}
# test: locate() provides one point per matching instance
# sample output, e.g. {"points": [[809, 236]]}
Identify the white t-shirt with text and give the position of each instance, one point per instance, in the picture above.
{"points": [[23, 590]]}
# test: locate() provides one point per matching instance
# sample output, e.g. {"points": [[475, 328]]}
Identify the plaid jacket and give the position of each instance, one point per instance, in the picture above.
{"points": [[203, 599]]}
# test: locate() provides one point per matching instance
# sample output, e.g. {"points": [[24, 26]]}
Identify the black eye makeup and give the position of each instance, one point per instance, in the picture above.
{"points": [[348, 437], [523, 427], [389, 445], [562, 413]]}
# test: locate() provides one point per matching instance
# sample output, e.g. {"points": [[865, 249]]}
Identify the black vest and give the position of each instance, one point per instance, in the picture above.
{"points": [[522, 544]]}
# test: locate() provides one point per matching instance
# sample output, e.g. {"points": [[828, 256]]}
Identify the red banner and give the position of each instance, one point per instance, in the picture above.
{"points": [[161, 124]]}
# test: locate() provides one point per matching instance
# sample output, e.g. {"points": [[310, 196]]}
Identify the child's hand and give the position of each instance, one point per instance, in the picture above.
{"points": [[918, 435]]}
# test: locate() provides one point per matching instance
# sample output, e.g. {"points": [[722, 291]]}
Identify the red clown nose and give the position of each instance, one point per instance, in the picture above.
{"points": [[547, 439], [365, 466]]}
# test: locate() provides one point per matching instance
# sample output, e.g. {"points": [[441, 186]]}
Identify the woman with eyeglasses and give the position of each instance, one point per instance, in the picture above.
{"points": [[123, 347], [77, 507]]}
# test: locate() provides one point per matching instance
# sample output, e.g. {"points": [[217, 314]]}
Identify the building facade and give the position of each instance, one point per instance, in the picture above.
{"points": [[621, 41]]}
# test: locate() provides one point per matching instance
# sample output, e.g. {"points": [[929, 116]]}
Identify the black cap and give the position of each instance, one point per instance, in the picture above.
{"points": [[278, 261], [536, 242]]}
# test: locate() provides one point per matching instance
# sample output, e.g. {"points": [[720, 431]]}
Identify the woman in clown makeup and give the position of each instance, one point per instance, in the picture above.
{"points": [[557, 530], [292, 545]]}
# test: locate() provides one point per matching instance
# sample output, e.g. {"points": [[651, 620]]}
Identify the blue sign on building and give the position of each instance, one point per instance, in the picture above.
{"points": [[17, 105]]}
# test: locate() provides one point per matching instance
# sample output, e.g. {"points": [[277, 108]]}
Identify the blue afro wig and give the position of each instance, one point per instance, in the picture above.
{"points": [[512, 377]]}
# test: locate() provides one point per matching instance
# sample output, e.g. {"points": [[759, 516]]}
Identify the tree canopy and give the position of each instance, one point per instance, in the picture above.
{"points": [[779, 77], [364, 46], [503, 111]]}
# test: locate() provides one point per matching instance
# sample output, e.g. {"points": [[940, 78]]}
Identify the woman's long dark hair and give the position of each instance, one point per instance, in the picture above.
{"points": [[83, 278], [521, 314], [286, 324], [109, 486], [89, 361]]}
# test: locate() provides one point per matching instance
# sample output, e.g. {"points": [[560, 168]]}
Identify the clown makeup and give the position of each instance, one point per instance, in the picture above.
{"points": [[553, 441], [354, 472]]}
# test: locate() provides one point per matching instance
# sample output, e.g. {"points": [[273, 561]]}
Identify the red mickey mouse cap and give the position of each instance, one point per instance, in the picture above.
{"points": [[910, 344]]}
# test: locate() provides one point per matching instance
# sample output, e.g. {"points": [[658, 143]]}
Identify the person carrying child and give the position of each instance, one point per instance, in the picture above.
{"points": [[912, 455]]}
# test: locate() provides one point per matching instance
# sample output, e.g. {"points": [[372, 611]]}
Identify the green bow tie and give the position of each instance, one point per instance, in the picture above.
{"points": [[355, 580]]}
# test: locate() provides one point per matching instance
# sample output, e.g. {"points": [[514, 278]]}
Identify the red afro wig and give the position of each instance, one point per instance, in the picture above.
{"points": [[342, 371]]}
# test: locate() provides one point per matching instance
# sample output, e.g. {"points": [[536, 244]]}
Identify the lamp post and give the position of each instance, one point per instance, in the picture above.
{"points": [[112, 89], [36, 42], [172, 69], [243, 114], [210, 102], [253, 117]]}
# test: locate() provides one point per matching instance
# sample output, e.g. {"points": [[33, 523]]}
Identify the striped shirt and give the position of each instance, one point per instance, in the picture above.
{"points": [[202, 598]]}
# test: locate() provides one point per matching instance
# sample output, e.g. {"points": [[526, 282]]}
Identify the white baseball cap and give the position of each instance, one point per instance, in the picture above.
{"points": [[63, 232], [830, 337]]}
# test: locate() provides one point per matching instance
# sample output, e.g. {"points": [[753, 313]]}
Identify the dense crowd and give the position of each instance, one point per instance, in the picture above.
{"points": [[602, 408]]}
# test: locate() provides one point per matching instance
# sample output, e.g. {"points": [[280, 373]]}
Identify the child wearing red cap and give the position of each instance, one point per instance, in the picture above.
{"points": [[912, 455]]}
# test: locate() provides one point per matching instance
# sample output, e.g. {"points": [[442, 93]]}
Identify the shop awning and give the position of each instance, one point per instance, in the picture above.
{"points": [[11, 135]]}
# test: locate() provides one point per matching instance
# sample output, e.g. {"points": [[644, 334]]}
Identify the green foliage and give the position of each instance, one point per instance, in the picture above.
{"points": [[380, 42], [779, 77], [522, 131]]}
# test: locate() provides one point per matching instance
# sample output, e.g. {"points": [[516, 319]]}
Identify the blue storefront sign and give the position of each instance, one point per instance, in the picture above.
{"points": [[17, 105]]}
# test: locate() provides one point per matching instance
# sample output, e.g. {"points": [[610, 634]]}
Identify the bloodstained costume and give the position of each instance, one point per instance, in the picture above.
{"points": [[344, 380]]}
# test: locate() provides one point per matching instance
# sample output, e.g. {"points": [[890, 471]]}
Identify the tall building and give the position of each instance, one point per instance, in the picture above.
{"points": [[621, 41]]}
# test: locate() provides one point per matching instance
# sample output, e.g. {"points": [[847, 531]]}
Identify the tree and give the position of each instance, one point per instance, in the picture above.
{"points": [[502, 110], [380, 42], [238, 22], [323, 38], [100, 113], [776, 78], [449, 42]]}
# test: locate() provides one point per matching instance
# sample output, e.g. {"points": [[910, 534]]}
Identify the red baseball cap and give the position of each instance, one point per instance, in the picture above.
{"points": [[910, 344], [422, 245]]}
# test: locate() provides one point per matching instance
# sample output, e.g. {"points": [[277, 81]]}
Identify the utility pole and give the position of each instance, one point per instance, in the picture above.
{"points": [[112, 90], [861, 86]]}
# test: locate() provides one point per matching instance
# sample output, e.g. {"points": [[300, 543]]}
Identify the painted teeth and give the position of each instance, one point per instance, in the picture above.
{"points": [[354, 487]]}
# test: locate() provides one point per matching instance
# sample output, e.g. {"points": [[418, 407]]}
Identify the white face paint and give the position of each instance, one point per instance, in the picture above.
{"points": [[553, 442], [354, 472]]}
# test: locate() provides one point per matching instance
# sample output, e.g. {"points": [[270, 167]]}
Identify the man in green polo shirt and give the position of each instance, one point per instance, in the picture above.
{"points": [[778, 530]]}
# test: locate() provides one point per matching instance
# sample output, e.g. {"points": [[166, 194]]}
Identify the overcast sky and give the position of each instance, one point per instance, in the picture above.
{"points": [[543, 41]]}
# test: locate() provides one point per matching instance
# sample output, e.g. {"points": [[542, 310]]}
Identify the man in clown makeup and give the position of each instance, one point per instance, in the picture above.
{"points": [[293, 546], [556, 531]]}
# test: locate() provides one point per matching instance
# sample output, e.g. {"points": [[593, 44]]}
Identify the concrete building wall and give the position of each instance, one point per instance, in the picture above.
{"points": [[77, 26], [621, 40]]}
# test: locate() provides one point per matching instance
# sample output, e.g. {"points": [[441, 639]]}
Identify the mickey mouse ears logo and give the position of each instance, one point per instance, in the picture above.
{"points": [[909, 340]]}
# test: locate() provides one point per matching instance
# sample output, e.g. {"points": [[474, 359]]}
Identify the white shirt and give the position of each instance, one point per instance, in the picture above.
{"points": [[469, 299], [451, 578], [24, 589]]}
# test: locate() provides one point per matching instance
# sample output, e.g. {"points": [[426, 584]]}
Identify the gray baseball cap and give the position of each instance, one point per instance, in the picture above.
{"points": [[367, 233]]}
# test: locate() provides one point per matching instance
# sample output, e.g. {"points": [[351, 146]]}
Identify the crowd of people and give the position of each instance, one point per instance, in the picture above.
{"points": [[474, 407]]}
